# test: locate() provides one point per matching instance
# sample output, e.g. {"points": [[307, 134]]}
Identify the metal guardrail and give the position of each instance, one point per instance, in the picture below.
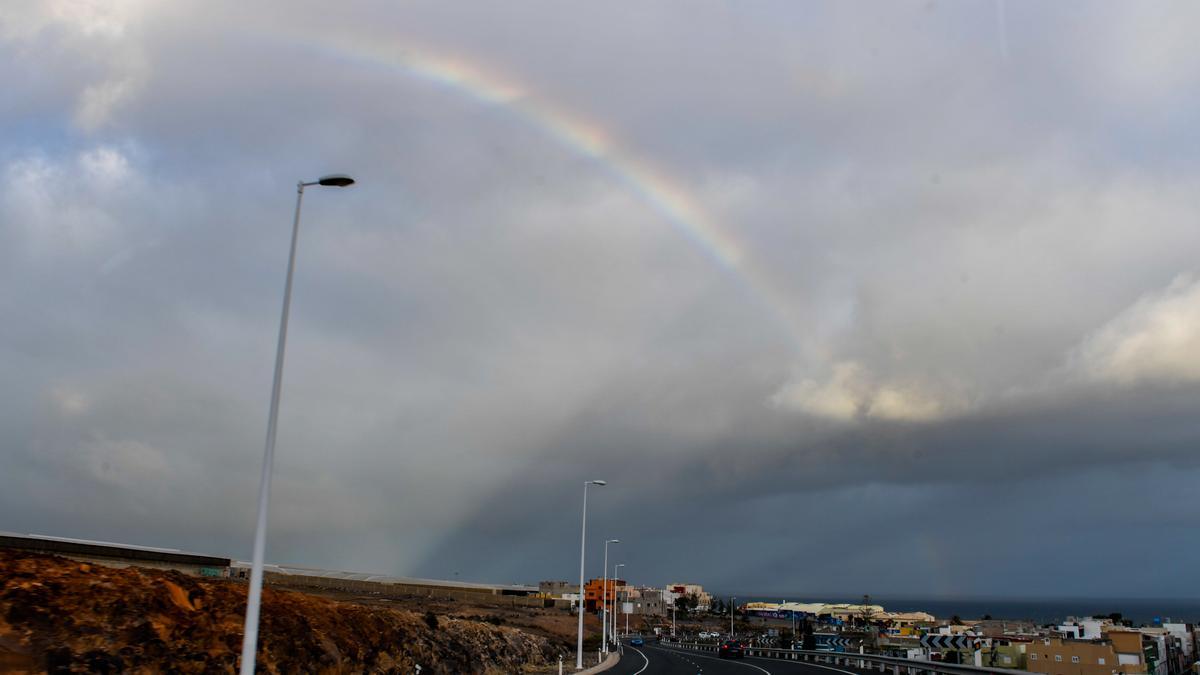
{"points": [[883, 664]]}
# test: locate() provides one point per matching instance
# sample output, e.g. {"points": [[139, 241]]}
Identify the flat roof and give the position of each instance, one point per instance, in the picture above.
{"points": [[106, 549]]}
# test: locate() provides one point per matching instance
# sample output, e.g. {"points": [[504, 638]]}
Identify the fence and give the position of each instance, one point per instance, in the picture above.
{"points": [[883, 664]]}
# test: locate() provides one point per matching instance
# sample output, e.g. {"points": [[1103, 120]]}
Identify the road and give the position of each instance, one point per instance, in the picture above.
{"points": [[652, 659]]}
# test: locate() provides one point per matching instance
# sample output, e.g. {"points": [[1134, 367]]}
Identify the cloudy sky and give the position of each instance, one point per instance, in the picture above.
{"points": [[889, 298]]}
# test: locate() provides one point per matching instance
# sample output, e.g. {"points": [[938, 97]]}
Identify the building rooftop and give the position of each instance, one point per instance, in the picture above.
{"points": [[42, 543], [387, 579]]}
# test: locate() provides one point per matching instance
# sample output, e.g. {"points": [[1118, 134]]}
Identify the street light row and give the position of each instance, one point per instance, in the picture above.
{"points": [[607, 619], [582, 556], [604, 598]]}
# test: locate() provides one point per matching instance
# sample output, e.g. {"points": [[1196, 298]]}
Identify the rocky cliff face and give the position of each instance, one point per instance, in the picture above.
{"points": [[61, 615]]}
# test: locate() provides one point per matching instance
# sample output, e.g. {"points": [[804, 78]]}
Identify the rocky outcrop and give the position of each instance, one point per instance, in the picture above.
{"points": [[62, 615]]}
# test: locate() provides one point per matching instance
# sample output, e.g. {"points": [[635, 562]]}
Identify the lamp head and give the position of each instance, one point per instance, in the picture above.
{"points": [[335, 180]]}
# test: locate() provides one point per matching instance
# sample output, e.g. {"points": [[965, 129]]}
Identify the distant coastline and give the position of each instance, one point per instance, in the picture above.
{"points": [[1050, 610]]}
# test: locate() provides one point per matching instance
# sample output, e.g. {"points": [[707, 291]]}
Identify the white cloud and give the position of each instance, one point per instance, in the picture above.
{"points": [[70, 401], [851, 392], [106, 166], [1157, 338], [70, 205], [99, 101], [84, 32], [90, 18]]}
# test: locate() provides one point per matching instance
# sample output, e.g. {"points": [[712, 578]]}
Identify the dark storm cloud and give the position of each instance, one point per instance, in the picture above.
{"points": [[963, 305]]}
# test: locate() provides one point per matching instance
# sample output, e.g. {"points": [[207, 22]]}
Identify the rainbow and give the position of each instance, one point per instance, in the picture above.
{"points": [[666, 196]]}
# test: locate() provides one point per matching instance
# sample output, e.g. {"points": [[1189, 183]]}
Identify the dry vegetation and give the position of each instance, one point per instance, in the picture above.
{"points": [[60, 615]]}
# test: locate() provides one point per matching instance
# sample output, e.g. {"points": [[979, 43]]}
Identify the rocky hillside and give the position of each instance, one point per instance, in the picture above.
{"points": [[65, 616]]}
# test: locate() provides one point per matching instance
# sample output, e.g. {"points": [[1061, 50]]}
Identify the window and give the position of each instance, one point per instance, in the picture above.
{"points": [[1058, 657], [1008, 660], [1032, 656], [1074, 659], [1100, 660]]}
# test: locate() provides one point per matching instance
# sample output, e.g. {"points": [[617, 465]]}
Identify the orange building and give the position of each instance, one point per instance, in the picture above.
{"points": [[1117, 652], [593, 590]]}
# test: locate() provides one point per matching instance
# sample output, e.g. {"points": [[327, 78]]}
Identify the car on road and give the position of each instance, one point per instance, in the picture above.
{"points": [[637, 642], [731, 649]]}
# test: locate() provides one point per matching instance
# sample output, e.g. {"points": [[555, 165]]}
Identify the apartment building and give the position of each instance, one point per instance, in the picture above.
{"points": [[1119, 651], [595, 592]]}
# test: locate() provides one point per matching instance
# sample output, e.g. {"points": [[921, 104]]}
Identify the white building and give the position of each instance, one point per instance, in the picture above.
{"points": [[704, 599], [1085, 629]]}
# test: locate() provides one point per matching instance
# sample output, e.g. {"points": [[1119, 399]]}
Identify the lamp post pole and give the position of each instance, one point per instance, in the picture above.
{"points": [[604, 598], [582, 553], [254, 596], [732, 603], [613, 632]]}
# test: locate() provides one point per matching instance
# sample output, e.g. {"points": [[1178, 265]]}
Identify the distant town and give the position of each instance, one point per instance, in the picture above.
{"points": [[1096, 645]]}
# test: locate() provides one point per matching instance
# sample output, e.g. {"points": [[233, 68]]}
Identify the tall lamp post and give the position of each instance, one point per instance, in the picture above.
{"points": [[254, 598], [616, 567], [604, 597], [582, 553]]}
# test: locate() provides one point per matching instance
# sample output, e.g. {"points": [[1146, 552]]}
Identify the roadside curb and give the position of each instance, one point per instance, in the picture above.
{"points": [[609, 662]]}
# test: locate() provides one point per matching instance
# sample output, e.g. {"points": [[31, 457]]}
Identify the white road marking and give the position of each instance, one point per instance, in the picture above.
{"points": [[817, 665], [740, 663], [644, 657]]}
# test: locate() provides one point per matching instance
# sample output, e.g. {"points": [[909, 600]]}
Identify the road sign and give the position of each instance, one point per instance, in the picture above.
{"points": [[951, 641], [828, 640]]}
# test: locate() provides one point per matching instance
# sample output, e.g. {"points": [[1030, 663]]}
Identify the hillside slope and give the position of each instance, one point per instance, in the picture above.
{"points": [[57, 613]]}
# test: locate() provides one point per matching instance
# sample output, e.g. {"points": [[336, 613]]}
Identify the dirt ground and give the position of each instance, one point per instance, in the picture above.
{"points": [[559, 626], [60, 615], [88, 618], [556, 625]]}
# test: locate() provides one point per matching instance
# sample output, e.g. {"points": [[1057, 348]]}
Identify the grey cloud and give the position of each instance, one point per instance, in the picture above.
{"points": [[492, 316]]}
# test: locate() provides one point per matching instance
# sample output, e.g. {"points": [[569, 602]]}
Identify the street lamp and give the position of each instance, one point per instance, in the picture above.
{"points": [[604, 598], [254, 599], [614, 614], [582, 553]]}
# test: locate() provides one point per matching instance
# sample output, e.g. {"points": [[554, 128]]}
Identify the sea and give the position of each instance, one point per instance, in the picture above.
{"points": [[1141, 611]]}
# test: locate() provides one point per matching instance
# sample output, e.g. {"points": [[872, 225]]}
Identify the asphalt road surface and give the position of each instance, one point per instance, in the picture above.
{"points": [[652, 659]]}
